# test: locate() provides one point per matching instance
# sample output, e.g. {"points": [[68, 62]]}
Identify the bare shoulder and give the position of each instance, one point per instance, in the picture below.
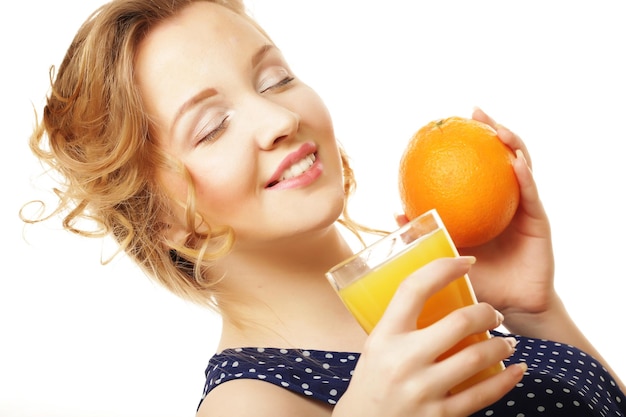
{"points": [[249, 397]]}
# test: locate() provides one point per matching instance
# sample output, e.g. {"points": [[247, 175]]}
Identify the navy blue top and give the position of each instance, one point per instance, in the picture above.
{"points": [[561, 380]]}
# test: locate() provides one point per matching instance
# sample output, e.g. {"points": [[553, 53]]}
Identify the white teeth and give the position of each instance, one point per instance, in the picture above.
{"points": [[299, 167]]}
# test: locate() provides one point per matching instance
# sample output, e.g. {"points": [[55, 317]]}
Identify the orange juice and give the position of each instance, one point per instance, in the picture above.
{"points": [[368, 297]]}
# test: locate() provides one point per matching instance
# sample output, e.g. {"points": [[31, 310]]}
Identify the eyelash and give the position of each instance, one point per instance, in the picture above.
{"points": [[213, 134], [279, 84]]}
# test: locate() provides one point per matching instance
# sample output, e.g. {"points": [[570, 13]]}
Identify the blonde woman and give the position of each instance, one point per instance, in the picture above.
{"points": [[179, 127]]}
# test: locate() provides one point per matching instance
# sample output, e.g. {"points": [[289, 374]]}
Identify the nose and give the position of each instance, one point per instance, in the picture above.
{"points": [[274, 123]]}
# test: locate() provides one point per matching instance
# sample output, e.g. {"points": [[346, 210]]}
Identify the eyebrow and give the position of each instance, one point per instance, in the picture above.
{"points": [[209, 92], [258, 56], [195, 99]]}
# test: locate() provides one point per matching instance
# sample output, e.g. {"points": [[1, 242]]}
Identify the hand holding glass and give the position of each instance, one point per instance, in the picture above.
{"points": [[367, 281]]}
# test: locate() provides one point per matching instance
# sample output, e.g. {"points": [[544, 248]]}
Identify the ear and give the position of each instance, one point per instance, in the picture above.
{"points": [[176, 232]]}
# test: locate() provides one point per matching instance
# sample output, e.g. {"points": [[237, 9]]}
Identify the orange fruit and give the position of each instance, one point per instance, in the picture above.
{"points": [[461, 168]]}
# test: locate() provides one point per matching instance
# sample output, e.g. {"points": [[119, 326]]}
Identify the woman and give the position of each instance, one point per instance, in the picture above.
{"points": [[181, 129]]}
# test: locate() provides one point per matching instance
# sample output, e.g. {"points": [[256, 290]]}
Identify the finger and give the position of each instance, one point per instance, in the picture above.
{"points": [[509, 138], [513, 141], [479, 115], [472, 359], [401, 219], [461, 323], [404, 308], [484, 393], [528, 188]]}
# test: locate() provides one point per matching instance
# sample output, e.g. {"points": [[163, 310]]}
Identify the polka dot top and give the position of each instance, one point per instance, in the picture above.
{"points": [[561, 380]]}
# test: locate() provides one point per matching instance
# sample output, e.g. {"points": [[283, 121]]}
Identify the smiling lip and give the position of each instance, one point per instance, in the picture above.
{"points": [[313, 172]]}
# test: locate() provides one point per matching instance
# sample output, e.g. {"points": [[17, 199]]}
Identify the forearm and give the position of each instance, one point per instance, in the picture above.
{"points": [[556, 324]]}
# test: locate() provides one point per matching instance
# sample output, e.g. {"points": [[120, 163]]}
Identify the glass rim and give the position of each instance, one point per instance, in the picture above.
{"points": [[392, 235]]}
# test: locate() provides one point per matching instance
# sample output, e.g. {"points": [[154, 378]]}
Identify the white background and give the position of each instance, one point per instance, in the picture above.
{"points": [[81, 339]]}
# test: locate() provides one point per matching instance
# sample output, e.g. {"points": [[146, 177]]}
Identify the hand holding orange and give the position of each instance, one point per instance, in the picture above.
{"points": [[461, 168]]}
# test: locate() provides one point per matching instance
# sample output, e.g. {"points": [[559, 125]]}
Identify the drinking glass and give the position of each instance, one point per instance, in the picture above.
{"points": [[367, 281]]}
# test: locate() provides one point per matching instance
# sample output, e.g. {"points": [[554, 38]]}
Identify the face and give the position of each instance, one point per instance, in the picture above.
{"points": [[258, 143]]}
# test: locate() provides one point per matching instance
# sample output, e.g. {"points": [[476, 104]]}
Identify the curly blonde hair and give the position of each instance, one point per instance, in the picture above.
{"points": [[96, 135]]}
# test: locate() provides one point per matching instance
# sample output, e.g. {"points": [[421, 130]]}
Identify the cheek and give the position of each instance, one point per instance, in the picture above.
{"points": [[314, 112], [222, 188]]}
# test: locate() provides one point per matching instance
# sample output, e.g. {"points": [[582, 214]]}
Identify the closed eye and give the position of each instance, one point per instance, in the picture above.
{"points": [[280, 84], [215, 133], [275, 78]]}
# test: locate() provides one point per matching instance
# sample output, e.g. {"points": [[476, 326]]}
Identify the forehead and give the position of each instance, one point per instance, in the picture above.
{"points": [[203, 22], [203, 44]]}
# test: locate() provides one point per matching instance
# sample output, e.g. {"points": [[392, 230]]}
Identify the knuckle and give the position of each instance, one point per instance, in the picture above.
{"points": [[477, 356], [463, 320], [473, 318], [413, 285]]}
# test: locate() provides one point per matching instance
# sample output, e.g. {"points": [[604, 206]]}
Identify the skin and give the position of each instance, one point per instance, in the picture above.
{"points": [[258, 114]]}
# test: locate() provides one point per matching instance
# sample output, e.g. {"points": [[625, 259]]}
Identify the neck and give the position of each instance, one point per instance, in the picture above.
{"points": [[283, 297]]}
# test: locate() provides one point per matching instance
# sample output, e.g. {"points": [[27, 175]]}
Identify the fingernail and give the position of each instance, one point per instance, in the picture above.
{"points": [[522, 366], [511, 341], [500, 317], [469, 259], [520, 155]]}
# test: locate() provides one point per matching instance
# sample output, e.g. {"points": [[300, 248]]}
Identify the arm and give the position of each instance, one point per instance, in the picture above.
{"points": [[515, 272], [249, 397], [556, 324]]}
